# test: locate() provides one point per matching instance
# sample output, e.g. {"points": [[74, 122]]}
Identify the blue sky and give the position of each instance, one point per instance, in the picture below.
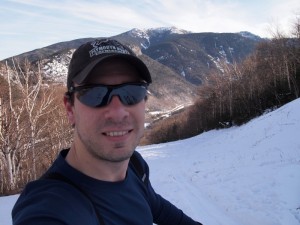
{"points": [[30, 24]]}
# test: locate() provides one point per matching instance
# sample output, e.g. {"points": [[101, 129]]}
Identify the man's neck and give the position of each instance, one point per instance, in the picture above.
{"points": [[96, 168]]}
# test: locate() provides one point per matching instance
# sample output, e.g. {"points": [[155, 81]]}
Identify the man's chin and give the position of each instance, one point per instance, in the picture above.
{"points": [[120, 155]]}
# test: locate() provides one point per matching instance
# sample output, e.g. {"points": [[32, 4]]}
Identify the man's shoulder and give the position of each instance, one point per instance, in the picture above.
{"points": [[50, 200], [47, 187]]}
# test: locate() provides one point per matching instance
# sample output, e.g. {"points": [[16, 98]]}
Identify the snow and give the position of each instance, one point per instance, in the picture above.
{"points": [[237, 176], [172, 30]]}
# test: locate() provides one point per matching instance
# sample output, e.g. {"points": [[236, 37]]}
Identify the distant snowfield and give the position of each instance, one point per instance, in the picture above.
{"points": [[247, 175]]}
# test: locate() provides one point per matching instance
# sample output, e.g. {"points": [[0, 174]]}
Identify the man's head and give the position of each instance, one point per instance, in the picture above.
{"points": [[108, 111]]}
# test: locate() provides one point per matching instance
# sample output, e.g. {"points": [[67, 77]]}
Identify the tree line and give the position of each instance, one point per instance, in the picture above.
{"points": [[266, 80]]}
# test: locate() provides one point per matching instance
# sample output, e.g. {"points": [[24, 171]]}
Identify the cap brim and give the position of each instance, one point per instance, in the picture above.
{"points": [[139, 64]]}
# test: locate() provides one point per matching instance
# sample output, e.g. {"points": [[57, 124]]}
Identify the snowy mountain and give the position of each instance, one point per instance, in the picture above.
{"points": [[178, 60], [247, 175], [190, 55]]}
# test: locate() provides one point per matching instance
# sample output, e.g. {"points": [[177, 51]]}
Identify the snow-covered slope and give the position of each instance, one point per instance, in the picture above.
{"points": [[245, 175]]}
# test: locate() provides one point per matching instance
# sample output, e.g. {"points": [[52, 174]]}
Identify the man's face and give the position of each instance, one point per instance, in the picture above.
{"points": [[111, 132]]}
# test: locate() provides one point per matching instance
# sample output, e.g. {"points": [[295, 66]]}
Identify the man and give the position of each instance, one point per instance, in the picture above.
{"points": [[101, 179]]}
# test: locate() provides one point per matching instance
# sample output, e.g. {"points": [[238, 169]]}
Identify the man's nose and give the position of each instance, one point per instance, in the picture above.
{"points": [[116, 109]]}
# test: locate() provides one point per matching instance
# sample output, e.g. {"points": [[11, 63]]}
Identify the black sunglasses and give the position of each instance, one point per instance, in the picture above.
{"points": [[97, 95]]}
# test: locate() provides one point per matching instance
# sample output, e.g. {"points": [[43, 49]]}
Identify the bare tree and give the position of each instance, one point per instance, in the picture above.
{"points": [[23, 124], [11, 136]]}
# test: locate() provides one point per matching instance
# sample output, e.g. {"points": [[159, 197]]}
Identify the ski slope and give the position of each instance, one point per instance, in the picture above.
{"points": [[245, 175]]}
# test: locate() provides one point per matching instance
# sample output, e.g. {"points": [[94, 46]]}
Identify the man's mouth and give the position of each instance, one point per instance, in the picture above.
{"points": [[116, 133]]}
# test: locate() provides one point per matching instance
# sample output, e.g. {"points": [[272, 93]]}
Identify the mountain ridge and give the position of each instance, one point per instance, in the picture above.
{"points": [[178, 60]]}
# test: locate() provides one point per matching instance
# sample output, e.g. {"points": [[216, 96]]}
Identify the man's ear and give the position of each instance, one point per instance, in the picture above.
{"points": [[69, 109]]}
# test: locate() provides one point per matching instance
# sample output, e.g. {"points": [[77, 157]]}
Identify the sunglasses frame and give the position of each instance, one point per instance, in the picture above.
{"points": [[110, 89]]}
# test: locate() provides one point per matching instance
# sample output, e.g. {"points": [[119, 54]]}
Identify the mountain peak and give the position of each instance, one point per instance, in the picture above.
{"points": [[159, 31], [170, 30], [249, 35], [135, 32]]}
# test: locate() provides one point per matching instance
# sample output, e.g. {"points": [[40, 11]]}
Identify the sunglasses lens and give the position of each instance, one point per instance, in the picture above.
{"points": [[93, 97], [97, 96], [130, 94]]}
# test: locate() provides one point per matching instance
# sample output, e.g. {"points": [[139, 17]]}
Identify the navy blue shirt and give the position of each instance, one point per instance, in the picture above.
{"points": [[128, 202]]}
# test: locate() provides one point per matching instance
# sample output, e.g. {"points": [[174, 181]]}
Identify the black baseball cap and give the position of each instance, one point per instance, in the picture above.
{"points": [[88, 55]]}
